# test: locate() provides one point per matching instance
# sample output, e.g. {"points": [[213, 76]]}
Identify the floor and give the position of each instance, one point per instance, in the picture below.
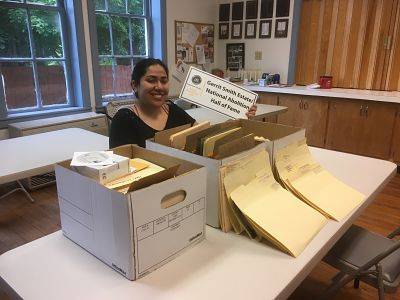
{"points": [[22, 222]]}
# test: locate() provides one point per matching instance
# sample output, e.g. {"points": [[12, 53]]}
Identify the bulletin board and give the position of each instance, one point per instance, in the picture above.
{"points": [[194, 42]]}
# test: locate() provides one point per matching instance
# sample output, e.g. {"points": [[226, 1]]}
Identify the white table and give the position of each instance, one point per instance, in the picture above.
{"points": [[36, 154], [202, 114], [224, 266]]}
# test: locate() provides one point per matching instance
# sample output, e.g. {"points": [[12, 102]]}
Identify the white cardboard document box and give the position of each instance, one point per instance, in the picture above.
{"points": [[271, 131], [137, 232]]}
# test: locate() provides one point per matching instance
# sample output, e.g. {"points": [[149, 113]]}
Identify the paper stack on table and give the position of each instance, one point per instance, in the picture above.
{"points": [[309, 181], [260, 206]]}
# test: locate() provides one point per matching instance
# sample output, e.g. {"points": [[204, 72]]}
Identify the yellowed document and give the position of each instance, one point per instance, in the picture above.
{"points": [[208, 146], [122, 184], [320, 189], [178, 140], [238, 173], [283, 219]]}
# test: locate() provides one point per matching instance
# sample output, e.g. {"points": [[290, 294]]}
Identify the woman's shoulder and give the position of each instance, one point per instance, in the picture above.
{"points": [[124, 113], [179, 115]]}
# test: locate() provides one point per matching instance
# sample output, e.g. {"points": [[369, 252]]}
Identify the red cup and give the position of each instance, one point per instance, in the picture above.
{"points": [[325, 82]]}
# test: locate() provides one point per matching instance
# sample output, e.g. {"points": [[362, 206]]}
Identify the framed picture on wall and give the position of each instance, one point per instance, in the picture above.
{"points": [[237, 11], [282, 8], [281, 28], [223, 31], [251, 9], [224, 12], [236, 32], [251, 29], [267, 9], [265, 29], [235, 56]]}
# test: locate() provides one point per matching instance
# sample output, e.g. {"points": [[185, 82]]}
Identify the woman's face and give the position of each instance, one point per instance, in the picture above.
{"points": [[153, 87]]}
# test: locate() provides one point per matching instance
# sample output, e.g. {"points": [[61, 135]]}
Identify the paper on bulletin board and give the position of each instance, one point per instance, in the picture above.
{"points": [[189, 34], [201, 58], [180, 71], [220, 95]]}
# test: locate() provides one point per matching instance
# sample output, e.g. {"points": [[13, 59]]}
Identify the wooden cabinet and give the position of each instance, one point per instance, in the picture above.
{"points": [[271, 99], [361, 127], [395, 156], [307, 112]]}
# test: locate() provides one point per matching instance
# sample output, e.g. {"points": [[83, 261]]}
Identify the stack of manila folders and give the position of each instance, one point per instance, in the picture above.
{"points": [[217, 141], [112, 170], [287, 209]]}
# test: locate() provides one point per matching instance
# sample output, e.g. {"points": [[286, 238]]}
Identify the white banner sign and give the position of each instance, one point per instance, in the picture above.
{"points": [[207, 90]]}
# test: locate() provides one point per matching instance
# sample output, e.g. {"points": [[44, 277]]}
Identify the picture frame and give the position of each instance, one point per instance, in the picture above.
{"points": [[250, 29], [251, 9], [282, 8], [281, 28], [235, 54], [265, 30], [267, 9], [223, 31], [236, 32], [224, 12], [237, 11]]}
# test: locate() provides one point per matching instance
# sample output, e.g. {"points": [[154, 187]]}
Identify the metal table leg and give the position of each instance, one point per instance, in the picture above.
{"points": [[20, 188]]}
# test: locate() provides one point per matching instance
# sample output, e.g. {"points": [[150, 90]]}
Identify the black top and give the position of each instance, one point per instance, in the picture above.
{"points": [[128, 128]]}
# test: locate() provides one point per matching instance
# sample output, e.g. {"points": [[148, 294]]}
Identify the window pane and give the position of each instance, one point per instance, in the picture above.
{"points": [[46, 33], [106, 77], [123, 72], [103, 35], [14, 38], [120, 30], [100, 5], [118, 6], [46, 2], [139, 37], [135, 7], [52, 82], [19, 85]]}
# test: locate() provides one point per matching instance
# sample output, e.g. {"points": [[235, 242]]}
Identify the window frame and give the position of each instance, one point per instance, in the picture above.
{"points": [[75, 62], [154, 14]]}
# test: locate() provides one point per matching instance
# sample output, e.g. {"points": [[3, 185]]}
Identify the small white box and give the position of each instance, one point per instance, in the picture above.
{"points": [[271, 131], [137, 232], [104, 174]]}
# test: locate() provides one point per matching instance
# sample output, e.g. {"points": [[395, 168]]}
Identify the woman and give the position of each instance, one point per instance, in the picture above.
{"points": [[151, 112]]}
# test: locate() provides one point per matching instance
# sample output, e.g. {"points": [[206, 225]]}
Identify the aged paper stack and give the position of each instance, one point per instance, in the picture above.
{"points": [[255, 203], [309, 181]]}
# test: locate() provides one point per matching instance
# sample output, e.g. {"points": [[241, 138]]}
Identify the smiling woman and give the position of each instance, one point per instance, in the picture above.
{"points": [[151, 112]]}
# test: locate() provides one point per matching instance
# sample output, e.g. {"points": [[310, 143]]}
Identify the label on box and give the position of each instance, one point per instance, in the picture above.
{"points": [[162, 238], [220, 95]]}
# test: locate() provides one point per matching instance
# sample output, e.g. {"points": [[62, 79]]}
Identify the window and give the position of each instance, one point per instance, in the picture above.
{"points": [[122, 39], [34, 61]]}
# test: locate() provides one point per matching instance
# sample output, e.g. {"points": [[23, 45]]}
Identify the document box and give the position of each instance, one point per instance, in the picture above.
{"points": [[135, 233]]}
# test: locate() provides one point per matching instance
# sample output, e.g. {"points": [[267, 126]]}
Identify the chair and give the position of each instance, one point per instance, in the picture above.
{"points": [[113, 106], [366, 256]]}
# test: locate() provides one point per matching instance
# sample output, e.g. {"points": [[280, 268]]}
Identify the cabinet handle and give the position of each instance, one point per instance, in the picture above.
{"points": [[361, 110], [306, 105], [94, 125], [300, 104], [366, 111]]}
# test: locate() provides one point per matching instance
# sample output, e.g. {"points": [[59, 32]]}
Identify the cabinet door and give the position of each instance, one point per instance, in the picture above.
{"points": [[345, 125], [291, 116], [270, 99], [313, 117], [361, 127], [396, 139], [378, 129]]}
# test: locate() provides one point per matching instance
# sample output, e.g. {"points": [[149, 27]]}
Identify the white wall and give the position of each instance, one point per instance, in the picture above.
{"points": [[200, 11], [275, 52]]}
